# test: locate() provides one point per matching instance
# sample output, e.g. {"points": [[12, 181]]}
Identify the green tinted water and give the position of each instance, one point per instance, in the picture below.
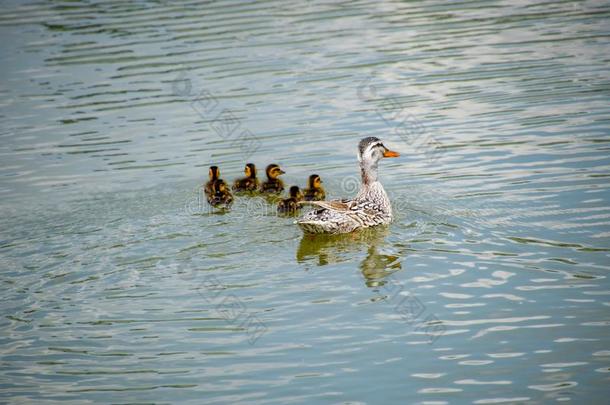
{"points": [[121, 286]]}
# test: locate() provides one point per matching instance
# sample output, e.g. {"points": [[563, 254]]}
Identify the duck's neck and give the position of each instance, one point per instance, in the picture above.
{"points": [[368, 171], [372, 189]]}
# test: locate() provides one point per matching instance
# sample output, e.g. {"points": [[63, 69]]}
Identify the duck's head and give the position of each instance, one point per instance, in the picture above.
{"points": [[250, 170], [371, 150], [314, 181], [294, 192], [273, 171], [214, 173]]}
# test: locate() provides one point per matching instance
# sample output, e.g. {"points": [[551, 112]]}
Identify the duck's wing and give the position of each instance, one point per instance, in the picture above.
{"points": [[335, 205]]}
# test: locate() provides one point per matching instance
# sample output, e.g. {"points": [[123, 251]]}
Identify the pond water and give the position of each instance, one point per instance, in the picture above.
{"points": [[120, 285]]}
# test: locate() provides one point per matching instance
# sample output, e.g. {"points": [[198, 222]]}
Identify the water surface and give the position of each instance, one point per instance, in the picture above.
{"points": [[120, 285]]}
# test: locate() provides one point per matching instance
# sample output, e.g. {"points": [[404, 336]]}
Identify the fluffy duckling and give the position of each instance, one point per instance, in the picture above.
{"points": [[273, 183], [248, 183], [290, 205], [314, 190], [220, 197], [214, 174]]}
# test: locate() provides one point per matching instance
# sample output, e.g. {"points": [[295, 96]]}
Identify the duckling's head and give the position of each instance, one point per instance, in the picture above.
{"points": [[250, 170], [273, 171], [315, 181], [294, 192], [214, 172], [371, 150]]}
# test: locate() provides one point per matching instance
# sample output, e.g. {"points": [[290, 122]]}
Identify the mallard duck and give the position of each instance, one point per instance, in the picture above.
{"points": [[248, 183], [273, 183], [290, 204], [214, 174], [314, 190], [220, 197], [370, 207]]}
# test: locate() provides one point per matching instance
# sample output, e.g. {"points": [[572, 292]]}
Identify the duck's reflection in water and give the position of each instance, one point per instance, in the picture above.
{"points": [[328, 249]]}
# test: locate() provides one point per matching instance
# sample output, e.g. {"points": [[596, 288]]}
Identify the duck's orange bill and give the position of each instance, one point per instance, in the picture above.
{"points": [[390, 153]]}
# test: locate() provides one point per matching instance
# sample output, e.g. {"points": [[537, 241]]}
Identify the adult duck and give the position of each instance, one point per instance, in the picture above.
{"points": [[370, 207]]}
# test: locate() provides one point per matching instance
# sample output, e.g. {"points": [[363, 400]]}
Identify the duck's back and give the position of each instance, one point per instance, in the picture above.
{"points": [[370, 208]]}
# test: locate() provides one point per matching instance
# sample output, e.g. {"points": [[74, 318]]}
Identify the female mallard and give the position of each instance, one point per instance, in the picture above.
{"points": [[214, 174], [371, 205], [314, 190], [248, 183], [220, 197], [290, 205], [273, 183]]}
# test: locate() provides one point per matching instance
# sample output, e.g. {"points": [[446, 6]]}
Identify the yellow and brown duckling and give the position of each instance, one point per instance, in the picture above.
{"points": [[248, 183], [314, 190], [220, 197], [290, 205], [273, 183], [214, 174]]}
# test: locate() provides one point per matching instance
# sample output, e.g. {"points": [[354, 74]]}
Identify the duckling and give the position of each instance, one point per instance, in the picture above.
{"points": [[248, 183], [214, 174], [289, 205], [221, 196], [273, 184], [314, 190]]}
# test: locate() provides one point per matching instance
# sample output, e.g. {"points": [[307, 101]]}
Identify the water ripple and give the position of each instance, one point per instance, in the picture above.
{"points": [[121, 285]]}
